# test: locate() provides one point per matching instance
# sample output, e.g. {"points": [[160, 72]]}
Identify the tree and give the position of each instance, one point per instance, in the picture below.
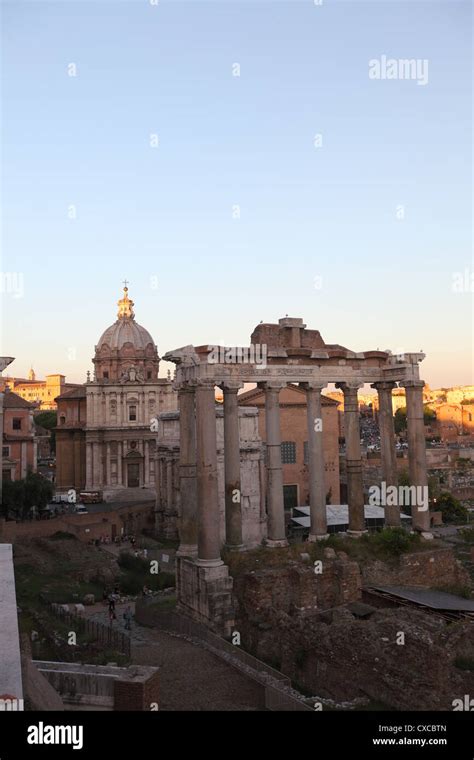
{"points": [[20, 495], [451, 509], [400, 419], [47, 419]]}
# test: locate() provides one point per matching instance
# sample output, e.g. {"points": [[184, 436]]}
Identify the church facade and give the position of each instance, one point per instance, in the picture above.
{"points": [[122, 402]]}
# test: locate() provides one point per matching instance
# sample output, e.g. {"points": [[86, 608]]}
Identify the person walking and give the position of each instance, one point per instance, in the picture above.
{"points": [[127, 616]]}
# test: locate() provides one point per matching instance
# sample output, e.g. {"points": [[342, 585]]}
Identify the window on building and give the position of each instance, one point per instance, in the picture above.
{"points": [[148, 374], [5, 451], [132, 413], [16, 423], [288, 452], [305, 452], [62, 420], [106, 375]]}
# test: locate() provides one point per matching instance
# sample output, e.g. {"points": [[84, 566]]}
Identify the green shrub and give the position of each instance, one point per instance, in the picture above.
{"points": [[451, 509], [393, 541]]}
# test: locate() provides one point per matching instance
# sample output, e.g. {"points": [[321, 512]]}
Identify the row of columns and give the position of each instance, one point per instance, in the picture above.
{"points": [[200, 520], [199, 523]]}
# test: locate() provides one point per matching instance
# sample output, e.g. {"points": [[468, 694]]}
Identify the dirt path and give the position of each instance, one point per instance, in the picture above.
{"points": [[191, 678]]}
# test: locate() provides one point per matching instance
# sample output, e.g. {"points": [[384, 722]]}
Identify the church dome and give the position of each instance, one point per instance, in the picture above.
{"points": [[125, 345], [125, 331]]}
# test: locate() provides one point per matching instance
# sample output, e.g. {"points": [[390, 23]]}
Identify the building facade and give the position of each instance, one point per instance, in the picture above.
{"points": [[18, 442], [41, 393], [294, 442], [107, 430]]}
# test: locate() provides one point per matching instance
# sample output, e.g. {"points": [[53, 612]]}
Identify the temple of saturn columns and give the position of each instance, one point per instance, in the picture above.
{"points": [[292, 354]]}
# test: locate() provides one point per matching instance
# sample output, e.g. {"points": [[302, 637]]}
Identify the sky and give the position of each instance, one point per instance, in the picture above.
{"points": [[237, 162]]}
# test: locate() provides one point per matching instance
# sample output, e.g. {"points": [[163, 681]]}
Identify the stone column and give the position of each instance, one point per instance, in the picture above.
{"points": [[169, 484], [89, 474], [387, 447], [96, 468], [207, 493], [275, 502], [233, 494], [355, 487], [119, 463], [108, 478], [78, 473], [98, 410], [317, 488], [146, 474], [188, 532], [417, 454]]}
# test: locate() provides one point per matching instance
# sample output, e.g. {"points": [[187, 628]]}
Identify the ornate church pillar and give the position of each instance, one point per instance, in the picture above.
{"points": [[89, 474]]}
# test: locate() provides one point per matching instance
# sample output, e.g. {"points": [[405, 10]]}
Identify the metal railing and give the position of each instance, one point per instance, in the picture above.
{"points": [[104, 634]]}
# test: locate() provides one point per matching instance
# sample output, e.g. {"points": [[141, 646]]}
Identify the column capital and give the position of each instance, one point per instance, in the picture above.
{"points": [[412, 383], [205, 384], [273, 385], [383, 385], [188, 386], [350, 385], [231, 386], [313, 385]]}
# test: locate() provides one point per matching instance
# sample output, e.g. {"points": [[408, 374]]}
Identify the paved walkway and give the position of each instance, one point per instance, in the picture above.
{"points": [[191, 678]]}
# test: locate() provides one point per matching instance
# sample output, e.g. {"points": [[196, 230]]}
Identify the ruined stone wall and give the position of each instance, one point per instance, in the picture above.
{"points": [[427, 569], [297, 589], [335, 656]]}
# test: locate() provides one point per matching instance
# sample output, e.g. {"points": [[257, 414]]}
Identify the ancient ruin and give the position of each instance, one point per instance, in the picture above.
{"points": [[279, 354]]}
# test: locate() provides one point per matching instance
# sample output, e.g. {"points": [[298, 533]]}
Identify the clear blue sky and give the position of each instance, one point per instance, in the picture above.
{"points": [[167, 212]]}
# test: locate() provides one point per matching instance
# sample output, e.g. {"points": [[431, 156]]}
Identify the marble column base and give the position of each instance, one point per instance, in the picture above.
{"points": [[209, 562], [313, 538], [356, 533], [276, 543]]}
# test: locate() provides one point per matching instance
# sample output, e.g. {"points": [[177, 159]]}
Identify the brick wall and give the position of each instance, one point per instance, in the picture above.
{"points": [[425, 569], [85, 527], [297, 588], [136, 695]]}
